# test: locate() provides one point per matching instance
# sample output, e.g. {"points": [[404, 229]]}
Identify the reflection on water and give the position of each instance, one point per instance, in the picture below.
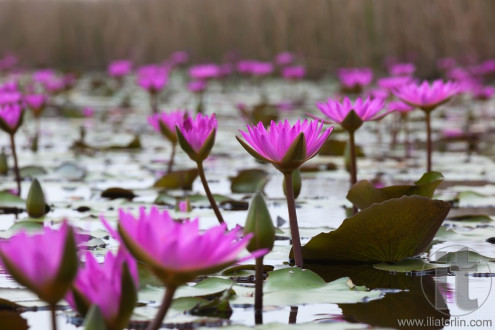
{"points": [[412, 302]]}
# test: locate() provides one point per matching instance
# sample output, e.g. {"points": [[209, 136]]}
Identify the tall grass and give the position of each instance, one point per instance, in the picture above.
{"points": [[328, 33]]}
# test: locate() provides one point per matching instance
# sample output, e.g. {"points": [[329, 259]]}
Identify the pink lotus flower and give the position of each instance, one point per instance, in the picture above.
{"points": [[178, 252], [196, 136], [354, 79], [11, 97], [284, 58], [391, 83], [261, 68], [366, 109], [36, 102], [43, 75], [244, 66], [119, 68], [378, 93], [426, 96], [165, 123], [402, 69], [54, 85], [276, 145], [197, 86], [10, 87], [399, 106], [153, 78], [204, 71], [45, 263], [112, 286], [481, 92], [10, 117], [179, 58], [293, 72]]}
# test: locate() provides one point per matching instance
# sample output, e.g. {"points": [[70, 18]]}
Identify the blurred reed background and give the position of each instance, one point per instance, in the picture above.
{"points": [[328, 33]]}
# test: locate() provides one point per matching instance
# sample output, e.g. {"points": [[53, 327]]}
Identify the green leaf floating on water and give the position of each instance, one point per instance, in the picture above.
{"points": [[364, 193], [248, 181], [384, 232], [182, 179], [295, 286], [409, 265]]}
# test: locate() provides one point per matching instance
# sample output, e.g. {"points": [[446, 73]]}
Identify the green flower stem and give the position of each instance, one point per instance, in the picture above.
{"points": [[208, 193], [54, 317], [428, 141], [294, 229], [258, 292], [166, 302], [16, 165], [171, 160]]}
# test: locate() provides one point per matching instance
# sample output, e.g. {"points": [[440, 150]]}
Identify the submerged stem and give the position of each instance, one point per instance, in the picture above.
{"points": [[166, 302], [258, 292], [294, 228], [428, 141], [16, 165], [208, 193]]}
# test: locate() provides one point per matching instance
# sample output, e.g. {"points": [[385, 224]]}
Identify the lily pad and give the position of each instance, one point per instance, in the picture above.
{"points": [[116, 192], [409, 265], [471, 218], [295, 286], [384, 232], [32, 171], [337, 148], [70, 171], [249, 181], [364, 193], [182, 179]]}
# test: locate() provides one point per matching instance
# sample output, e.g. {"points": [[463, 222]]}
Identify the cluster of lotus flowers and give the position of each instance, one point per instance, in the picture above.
{"points": [[177, 252]]}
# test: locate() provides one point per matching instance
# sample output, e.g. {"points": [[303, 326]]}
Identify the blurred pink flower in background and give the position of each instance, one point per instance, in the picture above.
{"points": [[294, 72], [204, 71], [399, 106], [284, 58], [402, 69], [427, 96], [119, 68], [197, 86], [355, 78], [178, 58], [153, 78], [391, 83], [260, 69]]}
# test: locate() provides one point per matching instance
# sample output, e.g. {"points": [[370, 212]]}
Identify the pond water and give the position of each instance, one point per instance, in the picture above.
{"points": [[73, 181]]}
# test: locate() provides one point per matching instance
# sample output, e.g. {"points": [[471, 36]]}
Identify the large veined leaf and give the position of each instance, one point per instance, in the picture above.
{"points": [[364, 193], [295, 286], [182, 179], [384, 232]]}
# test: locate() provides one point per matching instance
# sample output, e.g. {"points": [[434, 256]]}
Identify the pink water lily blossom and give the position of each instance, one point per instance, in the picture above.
{"points": [[178, 252], [197, 130], [36, 102], [427, 96], [197, 86], [399, 106], [354, 78], [367, 109], [101, 285], [45, 263], [119, 68], [10, 117], [204, 71], [169, 119], [402, 69], [272, 144], [293, 72]]}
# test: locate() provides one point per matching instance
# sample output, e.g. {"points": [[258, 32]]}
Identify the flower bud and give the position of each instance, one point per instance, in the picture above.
{"points": [[35, 202], [259, 222]]}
